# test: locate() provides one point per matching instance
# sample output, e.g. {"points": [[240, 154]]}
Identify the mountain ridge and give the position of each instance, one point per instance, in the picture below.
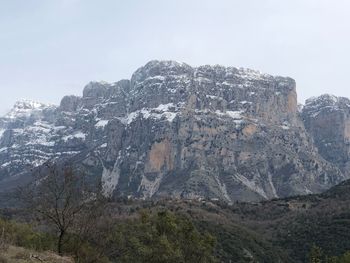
{"points": [[180, 131]]}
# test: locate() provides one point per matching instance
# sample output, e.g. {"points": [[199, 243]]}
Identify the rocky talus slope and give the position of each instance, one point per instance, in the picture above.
{"points": [[179, 131]]}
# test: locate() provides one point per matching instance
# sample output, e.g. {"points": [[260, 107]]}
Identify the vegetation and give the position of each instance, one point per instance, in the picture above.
{"points": [[23, 235], [318, 256], [162, 237], [63, 202], [313, 228]]}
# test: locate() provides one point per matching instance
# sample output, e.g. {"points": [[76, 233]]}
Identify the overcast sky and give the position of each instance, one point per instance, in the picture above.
{"points": [[49, 49]]}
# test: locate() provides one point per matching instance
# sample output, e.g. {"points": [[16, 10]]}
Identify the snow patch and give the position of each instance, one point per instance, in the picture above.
{"points": [[236, 115], [285, 125], [168, 111], [25, 108], [77, 135], [101, 123], [3, 149], [214, 97], [41, 141], [161, 78], [2, 132], [5, 164]]}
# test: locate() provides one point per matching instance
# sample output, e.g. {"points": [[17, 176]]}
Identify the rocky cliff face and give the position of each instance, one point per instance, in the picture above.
{"points": [[327, 119], [174, 130]]}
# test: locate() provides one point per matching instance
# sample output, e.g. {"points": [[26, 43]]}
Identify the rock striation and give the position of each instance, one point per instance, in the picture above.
{"points": [[174, 130]]}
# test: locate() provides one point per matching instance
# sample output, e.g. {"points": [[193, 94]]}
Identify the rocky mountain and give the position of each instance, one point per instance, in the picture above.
{"points": [[327, 119], [179, 131]]}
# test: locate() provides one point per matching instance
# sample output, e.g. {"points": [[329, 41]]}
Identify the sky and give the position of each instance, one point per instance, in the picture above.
{"points": [[53, 48]]}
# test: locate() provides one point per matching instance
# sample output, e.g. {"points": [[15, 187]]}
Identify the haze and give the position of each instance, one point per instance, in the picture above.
{"points": [[49, 49]]}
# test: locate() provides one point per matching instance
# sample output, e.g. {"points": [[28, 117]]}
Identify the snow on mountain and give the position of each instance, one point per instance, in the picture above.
{"points": [[175, 130], [327, 120], [25, 108]]}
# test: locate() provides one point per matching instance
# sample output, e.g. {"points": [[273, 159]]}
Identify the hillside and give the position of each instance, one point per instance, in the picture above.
{"points": [[280, 230]]}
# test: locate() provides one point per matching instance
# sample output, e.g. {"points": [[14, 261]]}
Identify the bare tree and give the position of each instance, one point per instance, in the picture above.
{"points": [[63, 199]]}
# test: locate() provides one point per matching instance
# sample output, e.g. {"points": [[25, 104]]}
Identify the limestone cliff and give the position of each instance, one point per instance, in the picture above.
{"points": [[181, 131], [327, 119]]}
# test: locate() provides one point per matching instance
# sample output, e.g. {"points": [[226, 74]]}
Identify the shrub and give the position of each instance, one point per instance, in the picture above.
{"points": [[162, 237], [23, 235]]}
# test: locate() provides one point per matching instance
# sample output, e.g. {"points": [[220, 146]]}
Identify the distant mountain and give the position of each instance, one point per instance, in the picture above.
{"points": [[178, 131]]}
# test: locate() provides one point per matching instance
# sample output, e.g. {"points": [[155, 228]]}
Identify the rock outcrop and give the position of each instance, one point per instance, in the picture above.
{"points": [[327, 119], [178, 131]]}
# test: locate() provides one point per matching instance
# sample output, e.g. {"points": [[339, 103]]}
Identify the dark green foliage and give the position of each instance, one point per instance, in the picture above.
{"points": [[158, 237], [84, 251], [314, 228], [162, 237], [331, 233], [344, 258], [24, 235], [317, 255], [240, 245]]}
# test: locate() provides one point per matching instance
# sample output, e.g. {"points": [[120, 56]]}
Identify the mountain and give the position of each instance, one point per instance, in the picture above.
{"points": [[174, 130], [327, 120]]}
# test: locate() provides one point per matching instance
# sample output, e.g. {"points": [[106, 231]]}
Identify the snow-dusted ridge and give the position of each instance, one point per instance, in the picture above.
{"points": [[163, 111], [23, 108], [170, 117], [33, 132], [179, 68], [325, 102]]}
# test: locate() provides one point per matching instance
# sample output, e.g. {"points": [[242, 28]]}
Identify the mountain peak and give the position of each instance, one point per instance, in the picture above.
{"points": [[25, 107], [29, 104], [326, 100], [160, 68]]}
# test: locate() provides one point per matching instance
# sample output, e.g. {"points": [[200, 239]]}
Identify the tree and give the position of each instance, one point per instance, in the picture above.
{"points": [[315, 255], [344, 258], [62, 199], [159, 238]]}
